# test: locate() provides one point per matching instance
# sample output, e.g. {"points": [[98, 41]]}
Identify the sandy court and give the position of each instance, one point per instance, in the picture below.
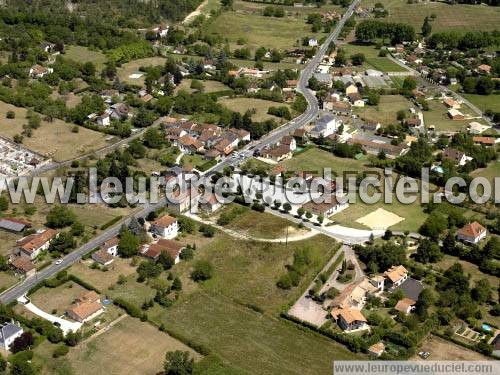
{"points": [[380, 219]]}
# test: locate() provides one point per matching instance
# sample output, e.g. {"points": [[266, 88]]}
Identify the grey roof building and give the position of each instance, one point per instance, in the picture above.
{"points": [[8, 333]]}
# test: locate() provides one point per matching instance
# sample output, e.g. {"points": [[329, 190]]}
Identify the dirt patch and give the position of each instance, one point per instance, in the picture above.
{"points": [[380, 219], [444, 350]]}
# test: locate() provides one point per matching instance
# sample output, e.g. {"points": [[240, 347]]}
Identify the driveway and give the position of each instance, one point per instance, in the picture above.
{"points": [[65, 325], [308, 310]]}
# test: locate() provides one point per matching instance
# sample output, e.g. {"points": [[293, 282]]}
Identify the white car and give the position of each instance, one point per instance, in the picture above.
{"points": [[58, 262]]}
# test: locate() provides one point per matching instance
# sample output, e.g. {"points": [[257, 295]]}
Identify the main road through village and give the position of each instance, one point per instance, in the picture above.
{"points": [[310, 114]]}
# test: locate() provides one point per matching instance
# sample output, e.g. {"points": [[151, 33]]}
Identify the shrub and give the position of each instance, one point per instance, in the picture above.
{"points": [[202, 271], [60, 351]]}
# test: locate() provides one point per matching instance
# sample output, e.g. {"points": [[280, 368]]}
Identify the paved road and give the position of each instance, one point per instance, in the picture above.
{"points": [[23, 287], [444, 89], [310, 113], [312, 103]]}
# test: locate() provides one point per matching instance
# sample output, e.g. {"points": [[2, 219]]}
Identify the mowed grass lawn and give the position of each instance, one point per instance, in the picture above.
{"points": [[413, 214], [97, 214], [372, 58], [249, 341], [264, 225], [315, 160], [490, 172], [83, 54], [484, 102], [437, 115], [260, 106], [130, 347], [57, 299], [386, 111], [257, 30], [99, 279], [53, 139], [133, 67], [448, 17]]}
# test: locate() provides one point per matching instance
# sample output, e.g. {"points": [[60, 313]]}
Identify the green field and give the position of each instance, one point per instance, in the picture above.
{"points": [[448, 17], [413, 214], [484, 102], [264, 225], [490, 172], [437, 116], [83, 55], [138, 348], [386, 111], [249, 341], [256, 30], [259, 105], [315, 159], [247, 271], [371, 54]]}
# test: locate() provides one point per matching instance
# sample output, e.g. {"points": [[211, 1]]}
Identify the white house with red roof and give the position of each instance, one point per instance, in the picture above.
{"points": [[166, 227], [472, 233]]}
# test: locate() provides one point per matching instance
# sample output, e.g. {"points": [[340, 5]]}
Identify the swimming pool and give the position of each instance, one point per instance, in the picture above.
{"points": [[486, 327]]}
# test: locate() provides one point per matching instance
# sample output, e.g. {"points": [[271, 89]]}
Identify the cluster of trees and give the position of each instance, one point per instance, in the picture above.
{"points": [[273, 11], [302, 260], [369, 30], [379, 258], [464, 41]]}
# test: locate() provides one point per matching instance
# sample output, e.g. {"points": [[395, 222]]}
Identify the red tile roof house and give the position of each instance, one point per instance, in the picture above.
{"points": [[102, 257], [166, 227], [395, 276], [472, 233], [324, 209], [34, 244], [405, 305], [86, 308], [23, 265], [349, 319], [153, 251], [109, 249]]}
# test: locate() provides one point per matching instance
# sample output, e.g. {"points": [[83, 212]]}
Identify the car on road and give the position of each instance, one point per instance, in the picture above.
{"points": [[58, 262]]}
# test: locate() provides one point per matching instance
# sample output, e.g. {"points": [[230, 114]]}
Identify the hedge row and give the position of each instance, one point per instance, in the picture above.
{"points": [[111, 222]]}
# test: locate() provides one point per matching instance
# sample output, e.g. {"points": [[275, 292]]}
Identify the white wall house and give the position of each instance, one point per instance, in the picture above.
{"points": [[166, 227]]}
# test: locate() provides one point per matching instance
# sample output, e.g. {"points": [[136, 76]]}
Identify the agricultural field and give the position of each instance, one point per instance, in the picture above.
{"points": [[251, 342], [138, 347], [372, 59], [386, 111], [83, 54], [253, 30], [55, 139], [259, 105], [315, 159], [448, 17]]}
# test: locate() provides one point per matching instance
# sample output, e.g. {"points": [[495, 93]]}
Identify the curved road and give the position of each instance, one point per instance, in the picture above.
{"points": [[310, 114], [312, 103]]}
